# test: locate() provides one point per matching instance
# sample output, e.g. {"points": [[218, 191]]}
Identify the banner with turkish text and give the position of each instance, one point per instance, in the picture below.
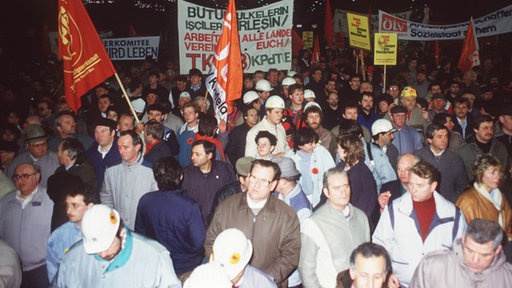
{"points": [[224, 83], [265, 36], [85, 62]]}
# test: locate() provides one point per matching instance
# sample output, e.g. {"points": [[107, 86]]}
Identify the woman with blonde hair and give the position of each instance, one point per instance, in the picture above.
{"points": [[484, 199]]}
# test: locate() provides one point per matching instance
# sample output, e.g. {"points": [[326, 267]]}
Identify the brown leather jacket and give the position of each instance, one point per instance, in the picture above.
{"points": [[274, 233], [474, 205]]}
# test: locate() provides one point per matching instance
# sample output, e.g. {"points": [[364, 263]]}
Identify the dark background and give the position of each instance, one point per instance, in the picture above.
{"points": [[24, 23]]}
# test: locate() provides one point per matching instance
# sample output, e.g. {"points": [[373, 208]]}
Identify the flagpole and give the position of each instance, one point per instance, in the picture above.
{"points": [[127, 98], [384, 83], [363, 72]]}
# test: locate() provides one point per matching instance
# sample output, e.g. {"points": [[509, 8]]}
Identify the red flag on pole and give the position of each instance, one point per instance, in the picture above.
{"points": [[436, 52], [469, 57], [85, 61], [226, 74], [297, 43], [316, 51], [328, 24]]}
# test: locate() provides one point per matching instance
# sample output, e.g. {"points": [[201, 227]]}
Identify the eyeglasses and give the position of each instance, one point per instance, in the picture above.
{"points": [[17, 177], [263, 182], [262, 144], [74, 206]]}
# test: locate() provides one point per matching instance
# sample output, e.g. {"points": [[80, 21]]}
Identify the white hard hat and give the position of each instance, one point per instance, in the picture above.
{"points": [[263, 85], [274, 102], [99, 228], [382, 125], [250, 96], [208, 275], [312, 103], [184, 94], [308, 93], [231, 251], [288, 81]]}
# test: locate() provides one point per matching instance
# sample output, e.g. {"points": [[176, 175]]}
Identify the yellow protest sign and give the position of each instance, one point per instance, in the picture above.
{"points": [[358, 31], [386, 46], [307, 37]]}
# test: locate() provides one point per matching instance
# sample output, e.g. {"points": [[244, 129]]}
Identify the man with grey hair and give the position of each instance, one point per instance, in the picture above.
{"points": [[25, 215], [476, 260], [331, 233]]}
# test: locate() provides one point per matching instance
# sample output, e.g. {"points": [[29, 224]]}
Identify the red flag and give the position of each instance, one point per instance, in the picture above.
{"points": [[316, 51], [226, 74], [328, 25], [85, 61], [131, 30], [469, 57], [297, 43]]}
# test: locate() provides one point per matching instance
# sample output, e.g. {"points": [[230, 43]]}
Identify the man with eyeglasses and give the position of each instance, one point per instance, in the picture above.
{"points": [[77, 200], [270, 224], [37, 152], [25, 216]]}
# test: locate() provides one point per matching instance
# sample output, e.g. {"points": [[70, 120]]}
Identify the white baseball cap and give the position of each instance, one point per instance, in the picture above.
{"points": [[308, 93], [263, 85], [382, 125], [231, 251], [288, 81], [274, 102], [250, 96], [99, 228]]}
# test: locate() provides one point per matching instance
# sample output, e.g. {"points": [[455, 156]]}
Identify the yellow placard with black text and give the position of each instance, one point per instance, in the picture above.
{"points": [[386, 47], [307, 37], [358, 31]]}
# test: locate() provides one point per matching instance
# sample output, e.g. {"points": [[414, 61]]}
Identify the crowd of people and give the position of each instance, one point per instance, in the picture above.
{"points": [[320, 177]]}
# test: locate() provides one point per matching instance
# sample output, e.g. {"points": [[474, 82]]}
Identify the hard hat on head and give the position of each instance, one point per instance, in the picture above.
{"points": [[288, 81], [409, 92], [250, 96], [208, 275], [312, 103], [99, 228], [382, 125], [263, 85], [309, 94], [274, 102], [231, 251]]}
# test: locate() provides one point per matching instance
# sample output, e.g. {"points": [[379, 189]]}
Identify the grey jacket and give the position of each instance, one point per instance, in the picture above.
{"points": [[124, 185], [27, 230], [470, 152], [445, 268]]}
